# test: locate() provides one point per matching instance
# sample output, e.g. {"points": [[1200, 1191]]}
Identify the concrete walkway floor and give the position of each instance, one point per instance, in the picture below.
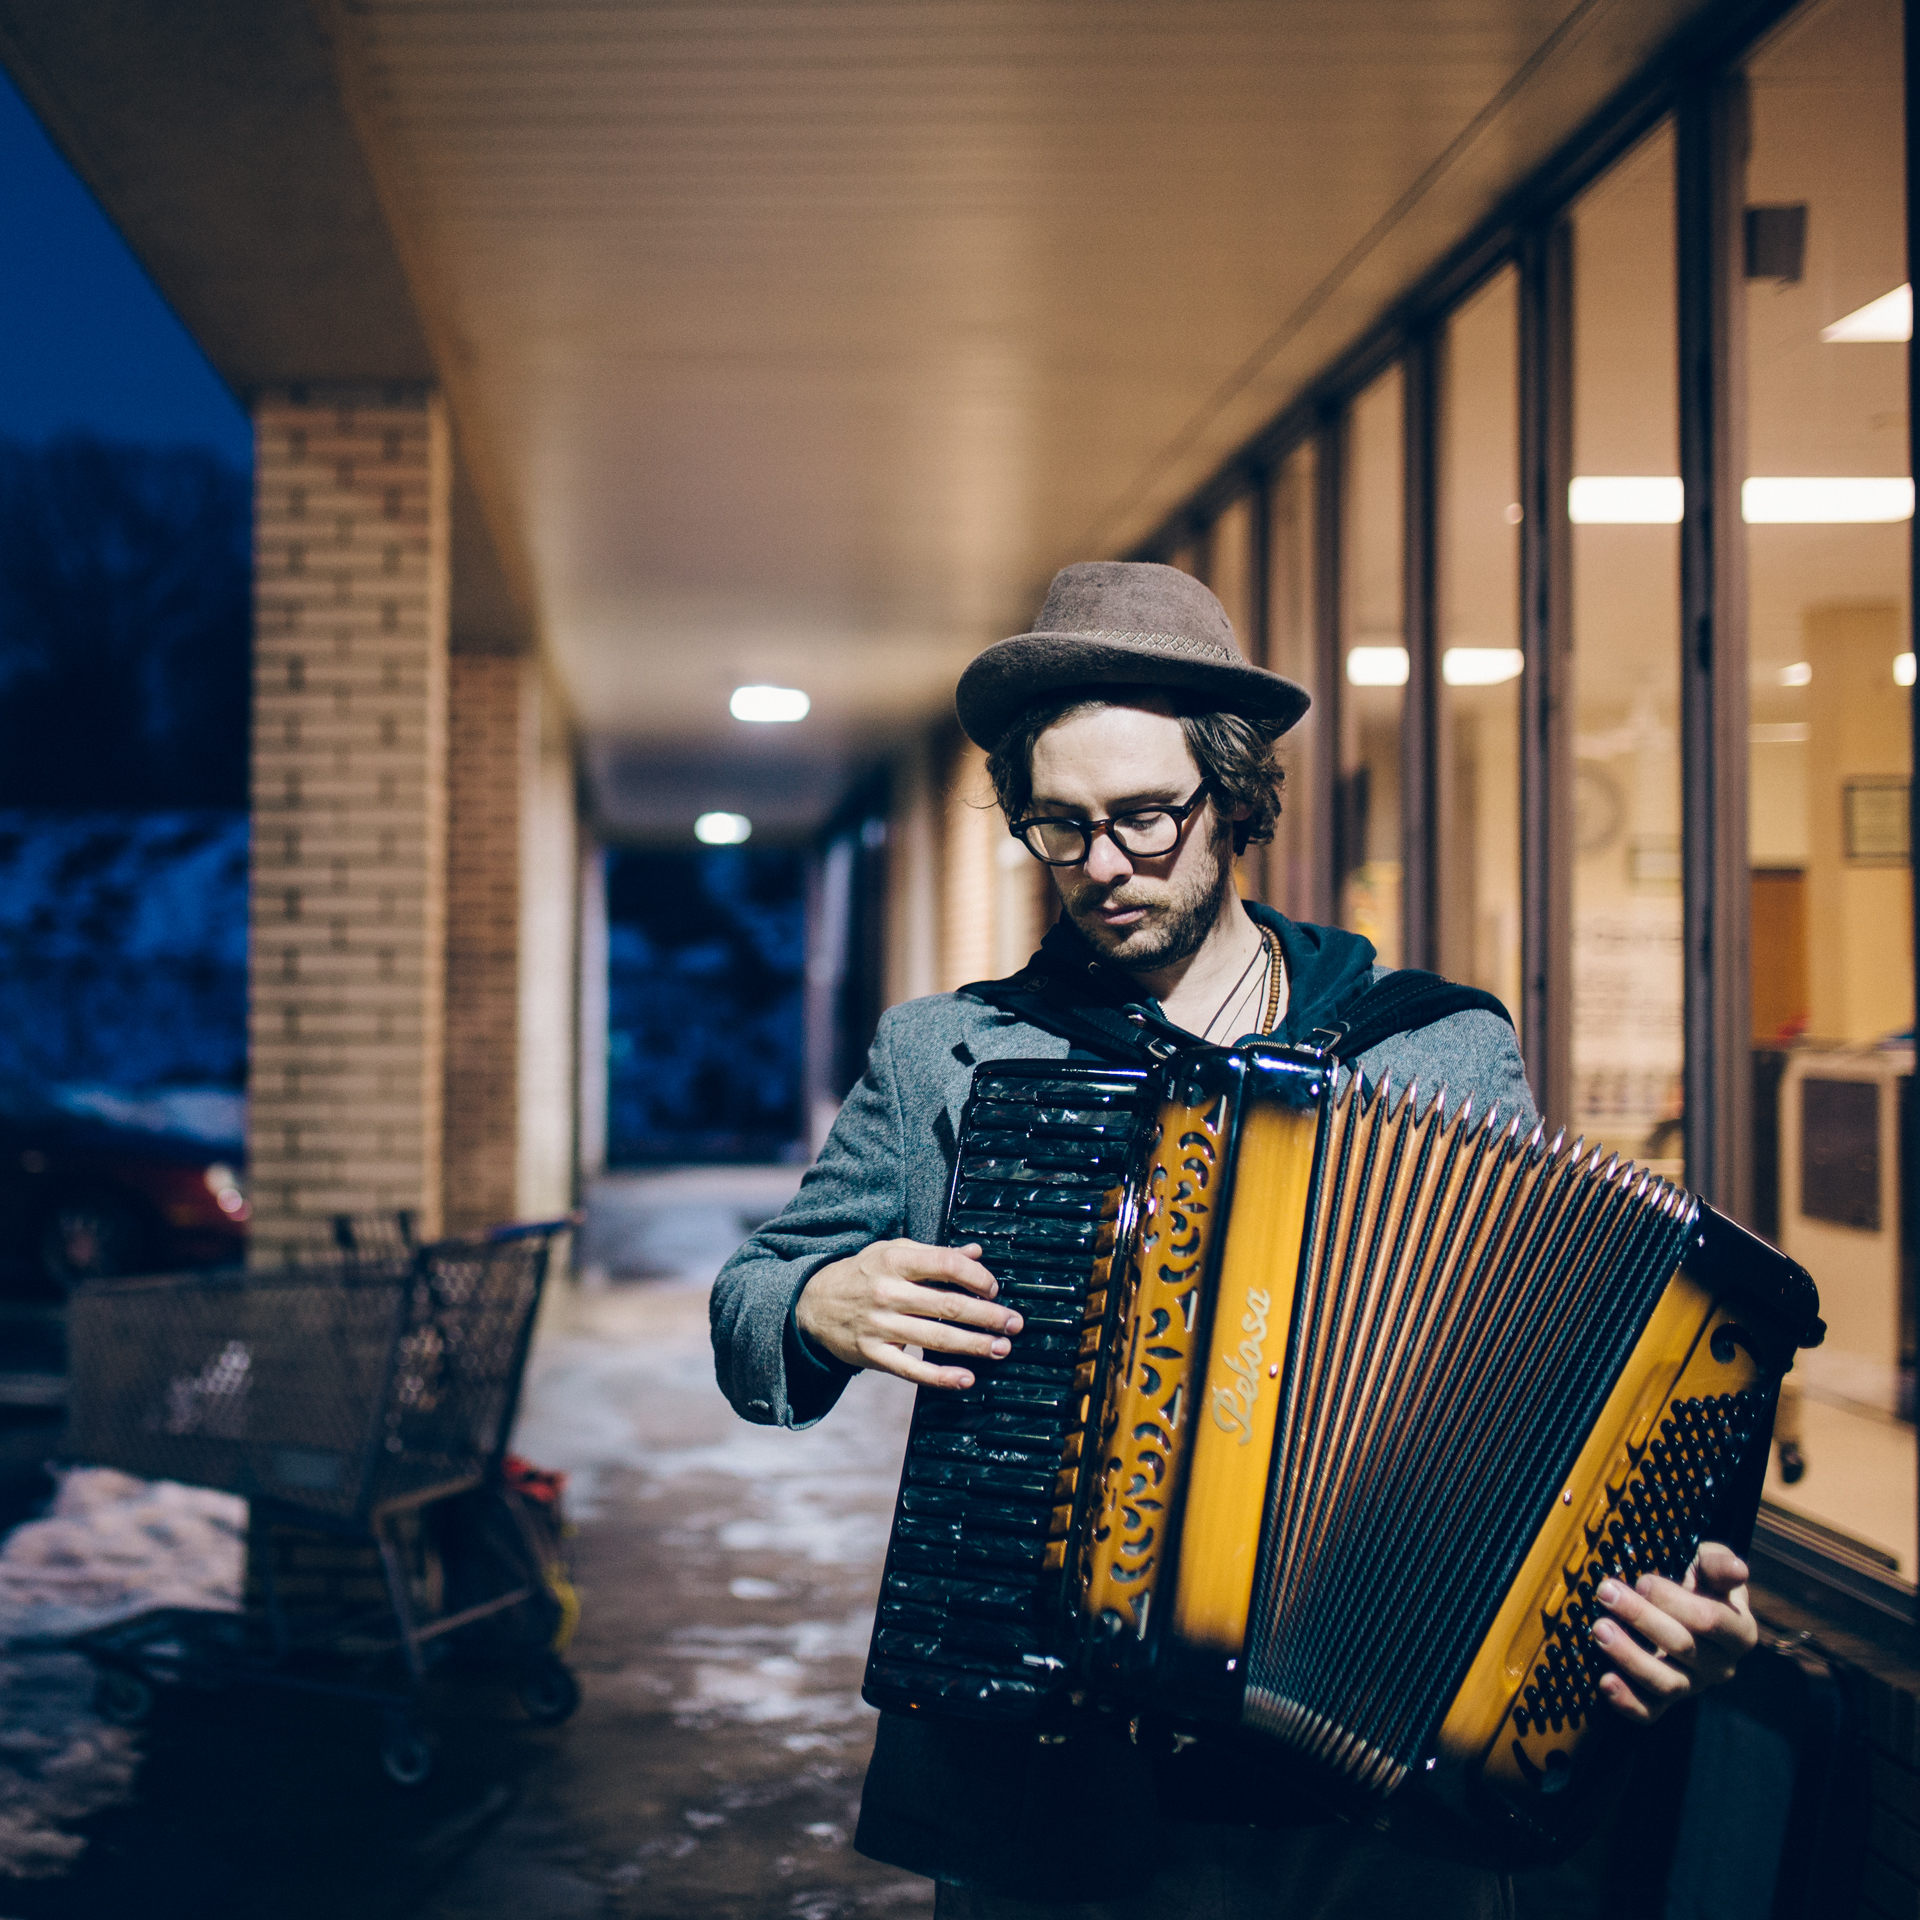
{"points": [[727, 1575]]}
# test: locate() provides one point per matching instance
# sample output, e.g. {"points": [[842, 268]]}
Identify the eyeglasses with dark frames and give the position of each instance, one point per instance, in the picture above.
{"points": [[1143, 833]]}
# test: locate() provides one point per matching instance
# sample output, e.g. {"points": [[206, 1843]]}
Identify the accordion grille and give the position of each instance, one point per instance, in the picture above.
{"points": [[1468, 1299], [967, 1618]]}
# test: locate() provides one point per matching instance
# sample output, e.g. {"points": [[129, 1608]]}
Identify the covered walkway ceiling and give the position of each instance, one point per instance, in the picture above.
{"points": [[801, 342]]}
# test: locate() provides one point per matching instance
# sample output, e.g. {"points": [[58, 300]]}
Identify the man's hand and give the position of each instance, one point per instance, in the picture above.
{"points": [[869, 1309], [1671, 1639]]}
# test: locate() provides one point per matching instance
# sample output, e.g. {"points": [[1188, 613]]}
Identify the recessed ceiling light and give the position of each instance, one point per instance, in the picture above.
{"points": [[1888, 318], [1377, 666], [1903, 669], [769, 704], [1800, 674], [722, 829]]}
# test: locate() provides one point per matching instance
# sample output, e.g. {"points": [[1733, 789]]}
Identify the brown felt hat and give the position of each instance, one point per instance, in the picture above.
{"points": [[1121, 623]]}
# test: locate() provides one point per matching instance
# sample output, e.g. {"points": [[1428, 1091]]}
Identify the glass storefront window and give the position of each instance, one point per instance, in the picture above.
{"points": [[1229, 556], [1480, 660], [1290, 881], [1373, 654], [1624, 502], [1230, 565], [1827, 504]]}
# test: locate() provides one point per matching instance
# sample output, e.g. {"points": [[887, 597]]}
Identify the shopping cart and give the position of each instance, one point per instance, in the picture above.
{"points": [[361, 1403]]}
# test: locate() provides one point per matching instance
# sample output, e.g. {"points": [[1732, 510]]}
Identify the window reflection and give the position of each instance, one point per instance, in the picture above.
{"points": [[1373, 653], [1829, 624], [1627, 976], [1291, 881], [1479, 761]]}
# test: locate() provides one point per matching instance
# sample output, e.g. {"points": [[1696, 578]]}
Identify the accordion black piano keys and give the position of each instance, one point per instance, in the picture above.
{"points": [[1332, 1410]]}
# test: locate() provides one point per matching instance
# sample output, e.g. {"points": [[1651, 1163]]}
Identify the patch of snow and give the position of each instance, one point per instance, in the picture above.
{"points": [[110, 1546], [216, 1116]]}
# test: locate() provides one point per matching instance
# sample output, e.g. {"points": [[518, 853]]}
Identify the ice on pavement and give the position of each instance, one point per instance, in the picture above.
{"points": [[109, 1546]]}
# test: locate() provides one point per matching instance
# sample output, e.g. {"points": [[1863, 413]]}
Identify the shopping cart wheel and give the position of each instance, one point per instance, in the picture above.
{"points": [[406, 1754], [122, 1697], [548, 1691]]}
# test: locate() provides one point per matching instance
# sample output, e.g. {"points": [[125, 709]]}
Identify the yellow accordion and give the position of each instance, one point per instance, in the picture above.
{"points": [[1331, 1410]]}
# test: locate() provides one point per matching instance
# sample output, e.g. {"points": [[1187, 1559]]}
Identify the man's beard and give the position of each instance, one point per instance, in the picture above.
{"points": [[1177, 923]]}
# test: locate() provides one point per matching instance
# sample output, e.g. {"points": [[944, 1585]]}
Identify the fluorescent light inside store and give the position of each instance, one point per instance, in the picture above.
{"points": [[1888, 318], [769, 705], [1480, 666], [1825, 501], [1377, 666], [1625, 500], [1803, 500]]}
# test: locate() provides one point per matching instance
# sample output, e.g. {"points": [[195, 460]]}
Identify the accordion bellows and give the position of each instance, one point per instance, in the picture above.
{"points": [[1331, 1410]]}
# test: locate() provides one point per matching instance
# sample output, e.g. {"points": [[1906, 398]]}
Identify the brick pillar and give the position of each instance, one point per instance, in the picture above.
{"points": [[486, 779], [348, 959]]}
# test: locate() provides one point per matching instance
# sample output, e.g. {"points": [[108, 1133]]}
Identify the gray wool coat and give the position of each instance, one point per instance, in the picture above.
{"points": [[884, 1170], [979, 1805]]}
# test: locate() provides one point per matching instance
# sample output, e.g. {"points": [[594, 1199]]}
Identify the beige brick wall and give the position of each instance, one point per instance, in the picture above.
{"points": [[487, 751], [549, 946], [348, 950], [995, 900]]}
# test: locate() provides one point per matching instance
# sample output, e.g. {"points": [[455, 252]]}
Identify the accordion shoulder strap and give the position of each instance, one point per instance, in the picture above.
{"points": [[1135, 1033], [1403, 1002]]}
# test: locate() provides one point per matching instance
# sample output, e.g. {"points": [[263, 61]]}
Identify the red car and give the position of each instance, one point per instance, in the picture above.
{"points": [[82, 1198]]}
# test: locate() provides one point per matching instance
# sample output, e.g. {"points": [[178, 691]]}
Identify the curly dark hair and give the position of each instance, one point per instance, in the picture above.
{"points": [[1235, 756]]}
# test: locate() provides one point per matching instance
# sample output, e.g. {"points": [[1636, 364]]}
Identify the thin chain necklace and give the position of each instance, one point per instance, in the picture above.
{"points": [[1237, 992]]}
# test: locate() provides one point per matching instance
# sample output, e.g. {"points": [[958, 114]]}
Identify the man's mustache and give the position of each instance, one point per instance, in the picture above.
{"points": [[1094, 895]]}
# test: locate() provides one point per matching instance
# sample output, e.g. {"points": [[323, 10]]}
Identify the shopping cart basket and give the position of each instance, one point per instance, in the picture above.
{"points": [[367, 1397]]}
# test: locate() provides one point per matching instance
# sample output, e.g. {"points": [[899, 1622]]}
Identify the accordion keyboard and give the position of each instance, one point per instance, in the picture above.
{"points": [[968, 1605]]}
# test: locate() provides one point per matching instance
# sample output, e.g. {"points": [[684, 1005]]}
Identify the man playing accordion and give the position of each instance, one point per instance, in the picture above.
{"points": [[1132, 751]]}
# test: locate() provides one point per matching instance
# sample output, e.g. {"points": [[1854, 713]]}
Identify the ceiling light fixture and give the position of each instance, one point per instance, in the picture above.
{"points": [[1800, 674], [1888, 318], [1625, 500], [769, 705], [1481, 666], [1825, 500], [1377, 666], [1903, 669], [722, 829]]}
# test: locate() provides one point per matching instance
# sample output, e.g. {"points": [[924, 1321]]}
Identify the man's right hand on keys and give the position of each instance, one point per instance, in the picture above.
{"points": [[870, 1308]]}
